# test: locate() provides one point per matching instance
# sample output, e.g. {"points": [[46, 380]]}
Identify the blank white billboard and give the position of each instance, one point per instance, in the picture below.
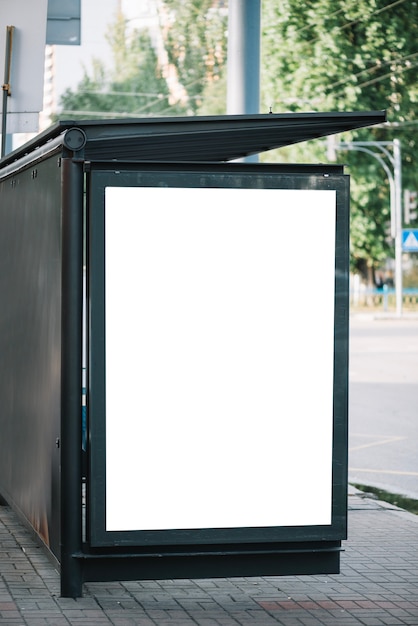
{"points": [[219, 339]]}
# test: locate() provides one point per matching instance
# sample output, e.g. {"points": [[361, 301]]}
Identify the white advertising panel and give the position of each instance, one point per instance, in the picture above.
{"points": [[219, 336]]}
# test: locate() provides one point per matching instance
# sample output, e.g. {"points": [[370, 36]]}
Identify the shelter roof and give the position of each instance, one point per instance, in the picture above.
{"points": [[200, 139]]}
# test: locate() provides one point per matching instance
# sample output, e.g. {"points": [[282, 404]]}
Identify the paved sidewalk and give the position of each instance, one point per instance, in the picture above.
{"points": [[378, 585]]}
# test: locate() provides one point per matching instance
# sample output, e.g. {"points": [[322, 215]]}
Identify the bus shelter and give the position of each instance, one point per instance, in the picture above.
{"points": [[174, 347]]}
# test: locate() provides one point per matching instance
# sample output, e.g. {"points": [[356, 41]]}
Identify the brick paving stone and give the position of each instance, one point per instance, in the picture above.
{"points": [[99, 621], [132, 621], [7, 605], [47, 621], [378, 586], [31, 614], [10, 614], [206, 621]]}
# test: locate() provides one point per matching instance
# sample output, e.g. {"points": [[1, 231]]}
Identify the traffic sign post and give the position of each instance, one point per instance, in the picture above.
{"points": [[410, 240]]}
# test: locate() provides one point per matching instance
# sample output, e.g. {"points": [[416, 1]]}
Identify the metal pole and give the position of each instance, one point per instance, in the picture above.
{"points": [[243, 95], [391, 179], [6, 85], [243, 84], [395, 183], [71, 377], [398, 225]]}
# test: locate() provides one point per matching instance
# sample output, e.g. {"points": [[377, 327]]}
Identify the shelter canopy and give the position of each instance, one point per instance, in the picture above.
{"points": [[204, 139]]}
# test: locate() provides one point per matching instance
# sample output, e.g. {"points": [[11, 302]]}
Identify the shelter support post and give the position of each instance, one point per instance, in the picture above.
{"points": [[71, 364]]}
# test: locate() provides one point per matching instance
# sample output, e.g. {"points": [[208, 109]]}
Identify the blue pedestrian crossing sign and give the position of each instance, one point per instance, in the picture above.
{"points": [[410, 240]]}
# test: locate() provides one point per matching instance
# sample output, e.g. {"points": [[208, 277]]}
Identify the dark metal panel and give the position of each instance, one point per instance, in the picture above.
{"points": [[30, 346], [182, 168], [293, 560], [216, 141], [341, 351]]}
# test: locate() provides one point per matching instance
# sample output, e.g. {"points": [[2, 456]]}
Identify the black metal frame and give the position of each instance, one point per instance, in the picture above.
{"points": [[210, 552]]}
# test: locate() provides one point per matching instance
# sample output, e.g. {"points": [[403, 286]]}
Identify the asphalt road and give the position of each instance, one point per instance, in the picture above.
{"points": [[383, 415]]}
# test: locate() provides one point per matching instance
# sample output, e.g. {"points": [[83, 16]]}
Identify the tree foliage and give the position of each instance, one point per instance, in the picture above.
{"points": [[133, 87], [196, 42], [342, 55]]}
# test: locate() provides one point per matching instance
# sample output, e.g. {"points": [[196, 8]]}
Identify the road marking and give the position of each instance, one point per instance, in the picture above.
{"points": [[377, 471], [382, 442]]}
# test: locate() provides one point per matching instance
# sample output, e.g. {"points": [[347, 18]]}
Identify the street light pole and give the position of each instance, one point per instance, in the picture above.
{"points": [[395, 184], [397, 168]]}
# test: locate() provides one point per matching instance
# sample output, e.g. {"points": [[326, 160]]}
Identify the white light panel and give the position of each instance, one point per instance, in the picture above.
{"points": [[219, 357]]}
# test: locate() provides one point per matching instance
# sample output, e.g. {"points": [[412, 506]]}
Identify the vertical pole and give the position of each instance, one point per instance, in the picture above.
{"points": [[4, 123], [71, 377], [398, 225], [243, 84], [6, 86], [243, 95]]}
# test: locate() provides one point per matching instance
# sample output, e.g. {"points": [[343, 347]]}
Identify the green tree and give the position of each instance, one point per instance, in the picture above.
{"points": [[134, 87], [341, 55], [196, 41]]}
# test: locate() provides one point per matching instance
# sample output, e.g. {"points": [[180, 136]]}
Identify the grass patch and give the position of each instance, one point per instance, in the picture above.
{"points": [[409, 504]]}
